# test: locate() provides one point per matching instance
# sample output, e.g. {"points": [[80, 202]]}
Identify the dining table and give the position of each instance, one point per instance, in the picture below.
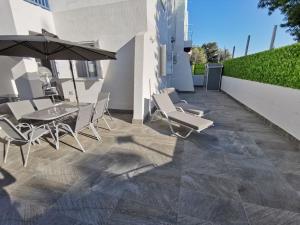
{"points": [[52, 114]]}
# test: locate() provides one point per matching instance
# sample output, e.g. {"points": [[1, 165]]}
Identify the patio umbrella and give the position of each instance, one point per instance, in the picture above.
{"points": [[49, 47]]}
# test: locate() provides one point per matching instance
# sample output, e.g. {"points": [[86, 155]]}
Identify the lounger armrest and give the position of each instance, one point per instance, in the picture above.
{"points": [[162, 112], [184, 101], [179, 109]]}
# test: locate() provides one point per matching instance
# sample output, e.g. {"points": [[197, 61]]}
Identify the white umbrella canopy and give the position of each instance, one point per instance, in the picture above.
{"points": [[49, 47]]}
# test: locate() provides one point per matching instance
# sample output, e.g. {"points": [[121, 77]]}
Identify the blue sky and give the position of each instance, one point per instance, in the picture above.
{"points": [[229, 22]]}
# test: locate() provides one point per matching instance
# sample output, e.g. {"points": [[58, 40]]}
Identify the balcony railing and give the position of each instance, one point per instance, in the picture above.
{"points": [[42, 3]]}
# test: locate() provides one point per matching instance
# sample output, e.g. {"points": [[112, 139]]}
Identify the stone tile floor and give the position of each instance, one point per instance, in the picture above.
{"points": [[240, 172]]}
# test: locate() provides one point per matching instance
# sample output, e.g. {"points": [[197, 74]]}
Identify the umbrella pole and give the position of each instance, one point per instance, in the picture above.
{"points": [[74, 82]]}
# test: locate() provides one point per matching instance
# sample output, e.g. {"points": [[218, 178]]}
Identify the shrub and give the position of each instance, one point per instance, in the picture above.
{"points": [[279, 67], [199, 69]]}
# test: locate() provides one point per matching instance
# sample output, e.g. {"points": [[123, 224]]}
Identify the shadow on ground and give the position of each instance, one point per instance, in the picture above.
{"points": [[241, 171]]}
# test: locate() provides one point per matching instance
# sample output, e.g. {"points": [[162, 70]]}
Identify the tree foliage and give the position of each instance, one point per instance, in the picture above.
{"points": [[209, 52], [198, 56], [291, 11], [212, 52], [224, 55]]}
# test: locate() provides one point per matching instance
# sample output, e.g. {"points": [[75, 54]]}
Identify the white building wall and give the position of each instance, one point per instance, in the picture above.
{"points": [[20, 18], [7, 26], [147, 77], [182, 78], [29, 17], [113, 25], [280, 105]]}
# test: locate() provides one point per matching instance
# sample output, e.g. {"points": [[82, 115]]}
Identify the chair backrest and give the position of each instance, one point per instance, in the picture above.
{"points": [[103, 95], [84, 117], [99, 110], [164, 103], [20, 108], [172, 94], [43, 103], [10, 130]]}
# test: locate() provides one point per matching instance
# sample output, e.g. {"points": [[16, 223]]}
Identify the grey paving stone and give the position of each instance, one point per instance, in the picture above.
{"points": [[137, 211], [188, 220], [259, 215], [212, 185], [142, 175], [293, 180], [271, 193], [210, 208]]}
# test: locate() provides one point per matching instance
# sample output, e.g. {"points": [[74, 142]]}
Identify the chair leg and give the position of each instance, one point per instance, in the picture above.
{"points": [[184, 136], [106, 123], [57, 138], [177, 134], [95, 132], [156, 113], [109, 114], [27, 155], [6, 150], [76, 138], [50, 131]]}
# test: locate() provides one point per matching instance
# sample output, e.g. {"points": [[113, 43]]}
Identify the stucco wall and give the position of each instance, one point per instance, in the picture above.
{"points": [[29, 17], [112, 24], [182, 78], [279, 105], [7, 26], [147, 74], [20, 18], [66, 5]]}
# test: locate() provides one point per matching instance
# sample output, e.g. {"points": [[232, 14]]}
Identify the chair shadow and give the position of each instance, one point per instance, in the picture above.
{"points": [[7, 206]]}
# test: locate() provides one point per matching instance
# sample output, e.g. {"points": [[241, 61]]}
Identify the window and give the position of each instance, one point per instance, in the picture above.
{"points": [[42, 3], [87, 69]]}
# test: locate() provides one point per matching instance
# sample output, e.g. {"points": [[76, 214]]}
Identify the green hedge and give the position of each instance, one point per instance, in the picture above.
{"points": [[199, 69], [279, 67]]}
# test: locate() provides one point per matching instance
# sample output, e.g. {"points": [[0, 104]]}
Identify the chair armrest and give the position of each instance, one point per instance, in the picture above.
{"points": [[184, 101], [41, 126], [24, 125]]}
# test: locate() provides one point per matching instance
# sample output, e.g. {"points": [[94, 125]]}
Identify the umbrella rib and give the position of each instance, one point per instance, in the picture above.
{"points": [[59, 49], [79, 54], [108, 54], [16, 44], [31, 47]]}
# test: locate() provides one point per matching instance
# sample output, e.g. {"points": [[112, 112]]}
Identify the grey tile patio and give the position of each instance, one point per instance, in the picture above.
{"points": [[240, 172]]}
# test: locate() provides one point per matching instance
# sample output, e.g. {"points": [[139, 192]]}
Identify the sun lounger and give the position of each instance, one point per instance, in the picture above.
{"points": [[166, 109], [183, 105]]}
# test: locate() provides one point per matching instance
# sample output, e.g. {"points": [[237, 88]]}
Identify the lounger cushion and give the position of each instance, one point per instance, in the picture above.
{"points": [[172, 94], [191, 109], [164, 103], [189, 120]]}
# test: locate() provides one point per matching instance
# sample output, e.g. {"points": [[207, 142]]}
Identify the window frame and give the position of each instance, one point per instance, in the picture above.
{"points": [[97, 65], [44, 4]]}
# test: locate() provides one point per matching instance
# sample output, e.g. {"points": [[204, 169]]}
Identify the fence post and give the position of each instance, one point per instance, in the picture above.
{"points": [[247, 45], [273, 37]]}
